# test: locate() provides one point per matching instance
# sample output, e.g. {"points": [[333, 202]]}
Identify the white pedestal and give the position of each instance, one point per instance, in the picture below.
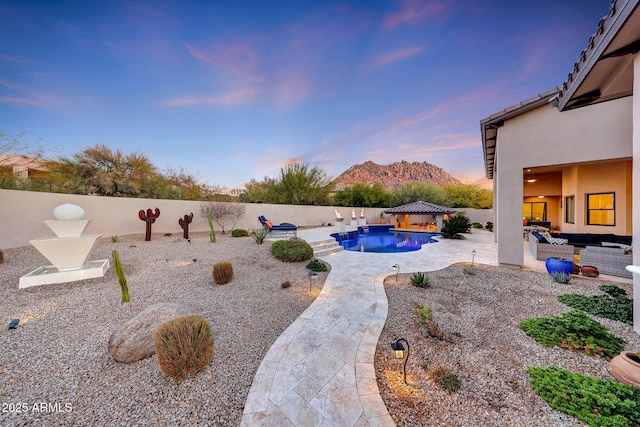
{"points": [[339, 225], [362, 221], [49, 274]]}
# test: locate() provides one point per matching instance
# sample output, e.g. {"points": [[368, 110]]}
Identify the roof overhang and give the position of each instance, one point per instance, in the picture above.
{"points": [[489, 126], [605, 69]]}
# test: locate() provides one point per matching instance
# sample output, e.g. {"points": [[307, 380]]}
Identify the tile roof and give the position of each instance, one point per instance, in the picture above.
{"points": [[420, 208]]}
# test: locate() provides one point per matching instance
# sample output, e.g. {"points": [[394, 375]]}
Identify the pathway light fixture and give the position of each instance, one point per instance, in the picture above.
{"points": [[399, 353]]}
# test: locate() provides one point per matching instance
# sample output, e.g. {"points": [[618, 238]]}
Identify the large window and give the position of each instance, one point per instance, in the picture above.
{"points": [[570, 209], [601, 209], [534, 211]]}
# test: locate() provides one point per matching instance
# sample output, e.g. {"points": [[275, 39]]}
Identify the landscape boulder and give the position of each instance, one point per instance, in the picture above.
{"points": [[133, 341]]}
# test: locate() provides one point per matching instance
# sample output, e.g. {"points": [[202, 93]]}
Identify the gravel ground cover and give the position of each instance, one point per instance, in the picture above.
{"points": [[55, 368], [486, 350]]}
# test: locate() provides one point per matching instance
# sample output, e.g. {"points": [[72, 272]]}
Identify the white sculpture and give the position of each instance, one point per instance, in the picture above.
{"points": [[338, 214], [361, 213], [67, 251], [353, 214]]}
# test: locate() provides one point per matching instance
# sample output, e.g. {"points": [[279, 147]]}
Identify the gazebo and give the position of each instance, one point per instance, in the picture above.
{"points": [[430, 213]]}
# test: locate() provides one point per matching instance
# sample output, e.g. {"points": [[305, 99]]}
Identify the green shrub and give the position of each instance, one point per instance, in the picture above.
{"points": [[576, 331], [613, 305], [317, 266], [114, 239], [477, 225], [560, 277], [420, 280], [239, 232], [222, 272], [489, 226], [595, 401], [119, 271], [425, 315], [445, 379], [454, 226], [292, 250], [183, 345], [260, 234]]}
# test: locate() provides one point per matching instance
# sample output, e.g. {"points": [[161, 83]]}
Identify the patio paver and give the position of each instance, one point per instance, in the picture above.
{"points": [[320, 371]]}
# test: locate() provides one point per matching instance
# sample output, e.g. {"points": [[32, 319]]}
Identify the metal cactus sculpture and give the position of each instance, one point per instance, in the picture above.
{"points": [[150, 218], [184, 223]]}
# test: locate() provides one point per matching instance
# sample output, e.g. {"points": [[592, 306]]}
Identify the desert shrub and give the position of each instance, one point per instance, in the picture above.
{"points": [[420, 280], [595, 401], [114, 239], [477, 225], [489, 226], [239, 232], [426, 318], [454, 226], [292, 250], [560, 277], [1, 256], [317, 265], [167, 234], [445, 379], [613, 305], [183, 345], [260, 234], [286, 284], [576, 331], [222, 272]]}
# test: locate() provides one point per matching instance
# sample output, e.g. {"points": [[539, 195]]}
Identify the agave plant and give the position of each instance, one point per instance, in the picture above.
{"points": [[452, 227], [420, 280]]}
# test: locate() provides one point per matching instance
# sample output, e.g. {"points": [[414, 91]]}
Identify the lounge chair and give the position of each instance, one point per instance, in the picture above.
{"points": [[287, 228]]}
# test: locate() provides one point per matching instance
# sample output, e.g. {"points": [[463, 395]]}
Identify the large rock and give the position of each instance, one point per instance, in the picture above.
{"points": [[134, 340]]}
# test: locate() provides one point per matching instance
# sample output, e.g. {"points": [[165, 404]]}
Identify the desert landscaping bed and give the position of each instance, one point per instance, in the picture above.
{"points": [[485, 349], [58, 354]]}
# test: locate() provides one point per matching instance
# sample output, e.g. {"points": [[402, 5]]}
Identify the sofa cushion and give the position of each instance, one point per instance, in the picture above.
{"points": [[626, 248], [539, 237], [597, 239], [575, 238], [625, 240]]}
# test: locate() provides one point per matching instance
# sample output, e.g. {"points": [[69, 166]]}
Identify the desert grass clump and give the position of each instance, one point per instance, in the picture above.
{"points": [[1, 256], [119, 271], [445, 379], [222, 272], [183, 345]]}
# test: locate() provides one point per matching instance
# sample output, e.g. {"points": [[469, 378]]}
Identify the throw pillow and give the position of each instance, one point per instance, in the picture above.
{"points": [[557, 241], [626, 248]]}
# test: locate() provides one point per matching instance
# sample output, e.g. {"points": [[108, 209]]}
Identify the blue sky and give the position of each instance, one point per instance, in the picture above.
{"points": [[233, 90]]}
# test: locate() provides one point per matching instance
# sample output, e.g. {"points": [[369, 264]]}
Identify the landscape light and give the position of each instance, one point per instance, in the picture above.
{"points": [[311, 274], [399, 353], [396, 268]]}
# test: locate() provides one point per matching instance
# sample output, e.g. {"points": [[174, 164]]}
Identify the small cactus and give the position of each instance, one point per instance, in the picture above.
{"points": [[183, 345], [149, 218], [184, 223], [223, 272]]}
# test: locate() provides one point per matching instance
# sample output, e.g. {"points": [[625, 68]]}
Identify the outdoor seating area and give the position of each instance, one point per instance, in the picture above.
{"points": [[541, 249], [608, 260], [287, 229]]}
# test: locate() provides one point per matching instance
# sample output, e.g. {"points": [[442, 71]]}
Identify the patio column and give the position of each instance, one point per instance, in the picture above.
{"points": [[636, 189]]}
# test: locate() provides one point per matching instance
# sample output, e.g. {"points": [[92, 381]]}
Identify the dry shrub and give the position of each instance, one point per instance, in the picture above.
{"points": [[222, 272], [183, 345], [1, 256]]}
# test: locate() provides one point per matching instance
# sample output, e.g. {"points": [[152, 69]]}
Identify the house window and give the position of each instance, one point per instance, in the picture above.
{"points": [[601, 209], [570, 209], [534, 211]]}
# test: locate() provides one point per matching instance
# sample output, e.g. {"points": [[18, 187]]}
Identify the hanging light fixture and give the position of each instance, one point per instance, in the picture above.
{"points": [[396, 268], [399, 353], [531, 178]]}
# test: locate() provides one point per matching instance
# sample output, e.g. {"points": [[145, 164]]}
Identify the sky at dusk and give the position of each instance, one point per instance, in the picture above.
{"points": [[234, 90]]}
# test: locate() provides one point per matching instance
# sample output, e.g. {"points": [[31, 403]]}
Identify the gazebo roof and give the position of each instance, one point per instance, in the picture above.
{"points": [[420, 208]]}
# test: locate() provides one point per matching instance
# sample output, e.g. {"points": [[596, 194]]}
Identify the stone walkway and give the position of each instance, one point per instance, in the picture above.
{"points": [[320, 371]]}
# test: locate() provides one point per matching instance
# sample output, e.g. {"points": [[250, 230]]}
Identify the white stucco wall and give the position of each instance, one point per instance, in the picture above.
{"points": [[544, 137], [22, 215]]}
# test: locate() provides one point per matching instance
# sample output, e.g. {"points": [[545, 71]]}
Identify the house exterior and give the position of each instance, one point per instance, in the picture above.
{"points": [[572, 154]]}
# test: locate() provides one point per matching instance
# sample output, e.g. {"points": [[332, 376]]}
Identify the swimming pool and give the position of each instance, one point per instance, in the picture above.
{"points": [[383, 240]]}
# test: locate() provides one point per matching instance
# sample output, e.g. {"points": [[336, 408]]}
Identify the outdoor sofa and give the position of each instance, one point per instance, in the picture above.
{"points": [[608, 259], [541, 249]]}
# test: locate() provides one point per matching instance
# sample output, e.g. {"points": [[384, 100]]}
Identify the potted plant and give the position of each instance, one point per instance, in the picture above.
{"points": [[559, 265], [626, 367]]}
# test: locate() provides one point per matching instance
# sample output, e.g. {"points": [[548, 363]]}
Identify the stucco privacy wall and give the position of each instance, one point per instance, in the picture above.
{"points": [[22, 214], [544, 137]]}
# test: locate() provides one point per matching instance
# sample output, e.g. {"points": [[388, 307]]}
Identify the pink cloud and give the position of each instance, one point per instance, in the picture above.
{"points": [[237, 60], [14, 59], [291, 87], [27, 96], [413, 12], [239, 97], [394, 56]]}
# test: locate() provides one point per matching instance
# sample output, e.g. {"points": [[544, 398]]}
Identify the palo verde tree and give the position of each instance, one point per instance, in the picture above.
{"points": [[364, 195], [469, 196], [415, 191]]}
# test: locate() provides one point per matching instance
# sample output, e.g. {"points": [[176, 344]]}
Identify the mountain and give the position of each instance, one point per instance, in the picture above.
{"points": [[394, 175]]}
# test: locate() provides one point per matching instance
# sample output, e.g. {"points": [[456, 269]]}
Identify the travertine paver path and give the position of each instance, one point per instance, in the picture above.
{"points": [[320, 371]]}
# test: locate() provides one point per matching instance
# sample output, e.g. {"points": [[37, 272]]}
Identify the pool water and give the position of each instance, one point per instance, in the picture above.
{"points": [[383, 241]]}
